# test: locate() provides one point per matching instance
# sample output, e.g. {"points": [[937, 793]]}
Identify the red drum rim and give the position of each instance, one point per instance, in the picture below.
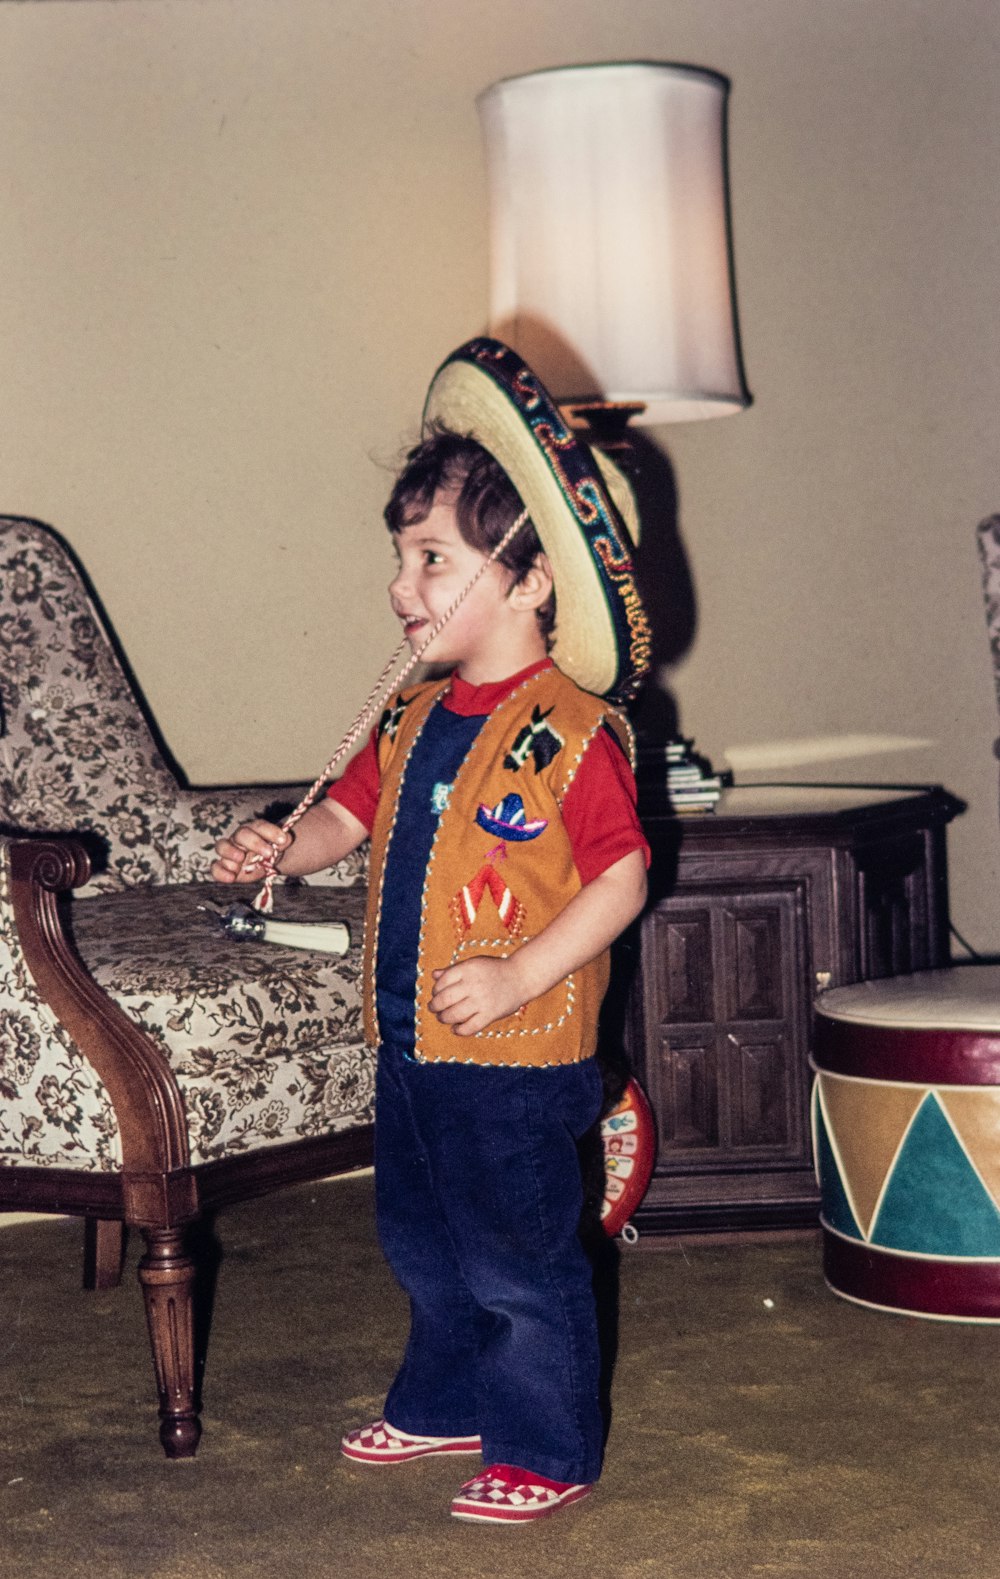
{"points": [[923, 1057]]}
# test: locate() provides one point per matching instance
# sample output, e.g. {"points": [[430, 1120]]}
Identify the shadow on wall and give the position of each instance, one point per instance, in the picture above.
{"points": [[664, 578]]}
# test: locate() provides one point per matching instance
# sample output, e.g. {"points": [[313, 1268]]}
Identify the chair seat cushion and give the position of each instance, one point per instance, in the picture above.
{"points": [[961, 998], [265, 1041]]}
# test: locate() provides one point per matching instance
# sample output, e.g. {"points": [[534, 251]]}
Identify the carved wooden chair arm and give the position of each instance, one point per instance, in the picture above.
{"points": [[141, 1086]]}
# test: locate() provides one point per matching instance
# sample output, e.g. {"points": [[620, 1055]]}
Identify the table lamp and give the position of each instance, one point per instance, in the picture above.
{"points": [[611, 256]]}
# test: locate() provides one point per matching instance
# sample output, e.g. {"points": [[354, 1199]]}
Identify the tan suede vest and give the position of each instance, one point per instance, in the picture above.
{"points": [[501, 865]]}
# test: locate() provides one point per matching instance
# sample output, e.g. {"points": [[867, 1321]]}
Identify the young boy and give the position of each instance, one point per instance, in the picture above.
{"points": [[506, 856]]}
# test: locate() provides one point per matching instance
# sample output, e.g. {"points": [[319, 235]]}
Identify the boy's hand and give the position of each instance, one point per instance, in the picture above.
{"points": [[471, 995], [241, 857]]}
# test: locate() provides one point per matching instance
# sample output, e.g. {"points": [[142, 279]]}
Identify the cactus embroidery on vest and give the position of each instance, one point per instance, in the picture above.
{"points": [[465, 904]]}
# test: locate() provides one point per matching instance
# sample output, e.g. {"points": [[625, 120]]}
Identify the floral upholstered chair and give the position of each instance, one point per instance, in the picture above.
{"points": [[76, 749], [151, 1068]]}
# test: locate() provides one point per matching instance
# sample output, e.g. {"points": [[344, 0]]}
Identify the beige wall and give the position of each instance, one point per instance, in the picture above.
{"points": [[238, 235]]}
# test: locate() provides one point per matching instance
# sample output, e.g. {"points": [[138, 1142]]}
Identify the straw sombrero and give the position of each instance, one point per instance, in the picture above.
{"points": [[581, 506]]}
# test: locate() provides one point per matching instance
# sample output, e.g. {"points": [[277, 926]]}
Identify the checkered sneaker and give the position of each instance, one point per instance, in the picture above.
{"points": [[380, 1443], [505, 1495]]}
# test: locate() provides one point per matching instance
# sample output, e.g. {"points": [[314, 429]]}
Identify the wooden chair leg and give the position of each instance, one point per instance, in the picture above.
{"points": [[167, 1273], [103, 1252]]}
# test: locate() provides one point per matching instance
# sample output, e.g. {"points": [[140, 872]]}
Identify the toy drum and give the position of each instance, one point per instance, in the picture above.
{"points": [[906, 1136]]}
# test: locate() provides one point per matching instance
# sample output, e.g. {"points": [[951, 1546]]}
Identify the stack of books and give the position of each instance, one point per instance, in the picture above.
{"points": [[690, 783]]}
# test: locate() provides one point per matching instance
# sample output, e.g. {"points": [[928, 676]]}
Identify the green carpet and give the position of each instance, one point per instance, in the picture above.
{"points": [[803, 1437]]}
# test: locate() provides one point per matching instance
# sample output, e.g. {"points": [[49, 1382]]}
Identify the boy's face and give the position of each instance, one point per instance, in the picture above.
{"points": [[485, 634]]}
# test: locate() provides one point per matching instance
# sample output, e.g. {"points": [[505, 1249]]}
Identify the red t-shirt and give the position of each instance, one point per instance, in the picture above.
{"points": [[599, 810]]}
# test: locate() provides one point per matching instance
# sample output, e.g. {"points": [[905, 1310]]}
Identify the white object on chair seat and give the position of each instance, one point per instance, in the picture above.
{"points": [[957, 998], [329, 937]]}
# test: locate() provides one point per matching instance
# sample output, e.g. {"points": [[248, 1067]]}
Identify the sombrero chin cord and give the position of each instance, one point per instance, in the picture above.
{"points": [[387, 682]]}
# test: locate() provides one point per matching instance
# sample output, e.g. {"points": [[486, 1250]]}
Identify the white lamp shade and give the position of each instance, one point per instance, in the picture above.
{"points": [[609, 236]]}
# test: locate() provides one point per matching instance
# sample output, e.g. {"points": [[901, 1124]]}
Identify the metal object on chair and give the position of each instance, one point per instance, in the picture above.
{"points": [[247, 925]]}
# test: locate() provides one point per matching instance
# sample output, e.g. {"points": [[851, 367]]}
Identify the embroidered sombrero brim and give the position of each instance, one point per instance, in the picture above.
{"points": [[507, 821], [581, 505]]}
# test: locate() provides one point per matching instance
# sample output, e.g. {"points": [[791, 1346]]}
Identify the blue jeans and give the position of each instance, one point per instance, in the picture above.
{"points": [[478, 1198]]}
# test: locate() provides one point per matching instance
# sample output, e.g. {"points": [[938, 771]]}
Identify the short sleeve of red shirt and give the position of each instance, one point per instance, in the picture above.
{"points": [[358, 786], [599, 809]]}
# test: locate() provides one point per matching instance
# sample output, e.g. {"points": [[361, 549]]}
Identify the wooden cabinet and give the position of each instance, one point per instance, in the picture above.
{"points": [[781, 891]]}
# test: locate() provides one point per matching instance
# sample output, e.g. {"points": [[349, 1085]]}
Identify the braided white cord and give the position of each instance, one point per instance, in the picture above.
{"points": [[382, 689]]}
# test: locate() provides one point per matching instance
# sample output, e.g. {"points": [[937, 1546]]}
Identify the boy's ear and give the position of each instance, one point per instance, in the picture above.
{"points": [[535, 588]]}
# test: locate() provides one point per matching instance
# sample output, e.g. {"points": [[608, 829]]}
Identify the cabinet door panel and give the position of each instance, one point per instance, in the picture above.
{"points": [[688, 1095], [679, 940], [764, 1109], [751, 944]]}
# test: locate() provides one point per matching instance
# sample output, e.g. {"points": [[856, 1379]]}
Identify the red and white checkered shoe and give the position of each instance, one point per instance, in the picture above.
{"points": [[381, 1443], [502, 1494]]}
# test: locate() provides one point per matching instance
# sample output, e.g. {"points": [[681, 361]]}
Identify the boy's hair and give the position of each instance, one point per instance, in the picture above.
{"points": [[486, 504]]}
